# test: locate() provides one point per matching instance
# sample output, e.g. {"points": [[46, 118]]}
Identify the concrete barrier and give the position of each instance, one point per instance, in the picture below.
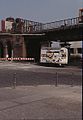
{"points": [[17, 59]]}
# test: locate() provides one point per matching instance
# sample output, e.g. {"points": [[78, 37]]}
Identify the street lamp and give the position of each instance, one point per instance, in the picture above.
{"points": [[6, 51], [12, 52]]}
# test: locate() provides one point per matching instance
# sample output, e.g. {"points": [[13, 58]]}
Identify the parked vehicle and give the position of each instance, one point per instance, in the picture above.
{"points": [[53, 55]]}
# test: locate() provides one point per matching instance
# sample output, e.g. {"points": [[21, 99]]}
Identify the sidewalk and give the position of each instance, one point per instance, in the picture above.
{"points": [[41, 102]]}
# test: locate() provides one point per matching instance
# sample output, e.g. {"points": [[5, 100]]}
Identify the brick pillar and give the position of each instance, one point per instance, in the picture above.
{"points": [[19, 49]]}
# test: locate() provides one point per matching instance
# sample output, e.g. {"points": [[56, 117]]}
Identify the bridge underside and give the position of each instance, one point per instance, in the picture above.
{"points": [[26, 45], [67, 34]]}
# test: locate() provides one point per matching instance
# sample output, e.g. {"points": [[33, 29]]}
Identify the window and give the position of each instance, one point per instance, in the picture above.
{"points": [[79, 50], [72, 50]]}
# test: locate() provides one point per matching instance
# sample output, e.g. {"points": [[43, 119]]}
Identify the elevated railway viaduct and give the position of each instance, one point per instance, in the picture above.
{"points": [[28, 44]]}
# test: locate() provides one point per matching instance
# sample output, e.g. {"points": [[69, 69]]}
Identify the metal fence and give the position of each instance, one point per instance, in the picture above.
{"points": [[56, 24], [27, 26]]}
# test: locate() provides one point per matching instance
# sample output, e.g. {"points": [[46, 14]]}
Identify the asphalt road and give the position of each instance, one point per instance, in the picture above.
{"points": [[35, 96], [30, 74]]}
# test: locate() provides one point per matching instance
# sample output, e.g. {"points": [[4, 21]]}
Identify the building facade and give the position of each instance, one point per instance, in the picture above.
{"points": [[76, 48]]}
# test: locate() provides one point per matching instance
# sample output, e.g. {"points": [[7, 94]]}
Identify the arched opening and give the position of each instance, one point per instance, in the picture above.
{"points": [[33, 48], [9, 48], [1, 50]]}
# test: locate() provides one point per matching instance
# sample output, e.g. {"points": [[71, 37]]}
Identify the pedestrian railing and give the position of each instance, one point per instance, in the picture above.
{"points": [[15, 77]]}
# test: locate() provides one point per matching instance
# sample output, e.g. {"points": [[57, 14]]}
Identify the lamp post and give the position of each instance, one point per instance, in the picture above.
{"points": [[6, 52], [12, 55], [12, 51]]}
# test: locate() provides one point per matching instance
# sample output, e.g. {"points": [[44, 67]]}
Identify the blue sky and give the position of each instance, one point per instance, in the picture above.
{"points": [[40, 10]]}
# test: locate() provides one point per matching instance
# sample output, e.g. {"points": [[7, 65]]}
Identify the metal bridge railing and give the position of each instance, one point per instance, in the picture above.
{"points": [[56, 24], [30, 26]]}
